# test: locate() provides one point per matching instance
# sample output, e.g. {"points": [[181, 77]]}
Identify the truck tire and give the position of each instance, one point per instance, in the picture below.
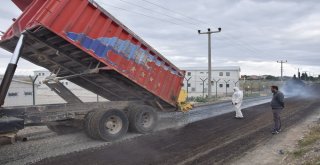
{"points": [[108, 125], [142, 118], [87, 125], [62, 129]]}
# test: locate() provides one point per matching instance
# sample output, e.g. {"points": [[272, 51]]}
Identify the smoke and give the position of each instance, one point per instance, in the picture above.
{"points": [[293, 87], [297, 87]]}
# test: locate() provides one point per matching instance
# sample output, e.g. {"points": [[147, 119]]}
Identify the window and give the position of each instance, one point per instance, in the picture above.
{"points": [[42, 74], [227, 73], [27, 93], [189, 85], [193, 89], [13, 94], [189, 73], [200, 83], [228, 85], [220, 85], [220, 73], [201, 72]]}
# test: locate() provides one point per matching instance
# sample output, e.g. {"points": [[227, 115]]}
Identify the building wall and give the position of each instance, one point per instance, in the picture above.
{"points": [[44, 95], [223, 80], [19, 93]]}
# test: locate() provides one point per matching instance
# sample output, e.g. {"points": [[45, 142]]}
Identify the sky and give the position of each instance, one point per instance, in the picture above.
{"points": [[255, 33]]}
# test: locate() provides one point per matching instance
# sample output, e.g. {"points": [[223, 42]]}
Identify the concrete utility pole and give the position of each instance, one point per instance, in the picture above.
{"points": [[281, 62], [209, 32]]}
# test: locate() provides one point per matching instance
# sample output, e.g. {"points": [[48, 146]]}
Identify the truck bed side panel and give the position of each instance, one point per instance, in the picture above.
{"points": [[101, 37]]}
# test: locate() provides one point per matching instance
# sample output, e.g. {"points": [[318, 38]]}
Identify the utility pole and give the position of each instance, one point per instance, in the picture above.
{"points": [[209, 32], [281, 62]]}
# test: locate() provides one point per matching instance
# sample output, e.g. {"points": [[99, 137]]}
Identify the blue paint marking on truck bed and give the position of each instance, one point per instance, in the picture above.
{"points": [[103, 45]]}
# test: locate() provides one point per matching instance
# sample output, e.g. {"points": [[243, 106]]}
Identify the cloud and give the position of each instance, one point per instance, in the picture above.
{"points": [[255, 33]]}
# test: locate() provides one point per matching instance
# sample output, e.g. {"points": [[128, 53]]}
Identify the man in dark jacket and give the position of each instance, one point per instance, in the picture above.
{"points": [[277, 105]]}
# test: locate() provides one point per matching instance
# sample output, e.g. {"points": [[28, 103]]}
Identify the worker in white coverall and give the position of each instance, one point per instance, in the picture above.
{"points": [[237, 101]]}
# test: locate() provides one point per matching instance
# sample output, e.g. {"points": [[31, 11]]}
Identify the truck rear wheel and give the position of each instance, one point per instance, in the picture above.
{"points": [[142, 118], [107, 125], [87, 125]]}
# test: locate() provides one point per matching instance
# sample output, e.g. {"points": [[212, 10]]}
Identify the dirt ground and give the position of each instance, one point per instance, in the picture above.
{"points": [[277, 149], [217, 140]]}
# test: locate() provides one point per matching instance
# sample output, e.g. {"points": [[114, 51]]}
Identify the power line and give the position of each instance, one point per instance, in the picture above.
{"points": [[191, 23], [154, 4], [145, 15], [199, 21], [230, 38]]}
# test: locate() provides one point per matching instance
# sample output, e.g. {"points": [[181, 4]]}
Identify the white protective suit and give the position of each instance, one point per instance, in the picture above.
{"points": [[237, 101]]}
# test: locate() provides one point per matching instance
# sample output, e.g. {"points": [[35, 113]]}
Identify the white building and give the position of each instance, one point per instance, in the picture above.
{"points": [[19, 92], [223, 80], [46, 96]]}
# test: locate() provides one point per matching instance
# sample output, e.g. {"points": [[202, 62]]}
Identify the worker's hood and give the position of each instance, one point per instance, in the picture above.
{"points": [[236, 89]]}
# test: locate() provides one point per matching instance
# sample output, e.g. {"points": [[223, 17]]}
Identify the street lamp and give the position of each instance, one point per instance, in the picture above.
{"points": [[209, 32]]}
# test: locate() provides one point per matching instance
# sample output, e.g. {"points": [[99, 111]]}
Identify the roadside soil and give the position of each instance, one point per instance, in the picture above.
{"points": [[279, 148], [217, 140]]}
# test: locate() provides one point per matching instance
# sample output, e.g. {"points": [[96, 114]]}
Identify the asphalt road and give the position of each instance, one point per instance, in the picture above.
{"points": [[215, 140], [42, 143]]}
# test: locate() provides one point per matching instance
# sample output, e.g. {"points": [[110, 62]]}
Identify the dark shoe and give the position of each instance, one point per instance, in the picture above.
{"points": [[238, 117], [274, 132]]}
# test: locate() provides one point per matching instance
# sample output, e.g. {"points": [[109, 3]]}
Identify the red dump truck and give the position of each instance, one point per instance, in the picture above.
{"points": [[79, 41]]}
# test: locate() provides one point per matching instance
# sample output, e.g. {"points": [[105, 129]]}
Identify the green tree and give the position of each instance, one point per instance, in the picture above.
{"points": [[270, 77], [304, 76]]}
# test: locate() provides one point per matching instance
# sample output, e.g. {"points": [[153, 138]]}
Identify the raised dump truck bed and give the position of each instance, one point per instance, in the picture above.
{"points": [[73, 36], [79, 41]]}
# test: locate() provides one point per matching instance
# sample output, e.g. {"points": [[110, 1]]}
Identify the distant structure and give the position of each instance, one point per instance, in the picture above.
{"points": [[20, 91], [223, 80], [46, 96], [281, 69]]}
